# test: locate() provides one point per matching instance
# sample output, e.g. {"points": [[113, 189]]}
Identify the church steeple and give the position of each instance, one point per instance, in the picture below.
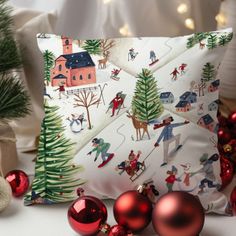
{"points": [[67, 45]]}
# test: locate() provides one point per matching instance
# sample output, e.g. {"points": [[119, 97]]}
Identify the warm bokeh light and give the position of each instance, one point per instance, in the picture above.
{"points": [[124, 30], [182, 8], [189, 23], [106, 1], [221, 19]]}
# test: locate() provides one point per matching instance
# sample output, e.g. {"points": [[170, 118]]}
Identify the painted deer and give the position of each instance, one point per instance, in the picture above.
{"points": [[102, 63], [138, 125]]}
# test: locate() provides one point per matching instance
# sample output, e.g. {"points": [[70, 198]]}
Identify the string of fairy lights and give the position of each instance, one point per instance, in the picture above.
{"points": [[182, 9]]}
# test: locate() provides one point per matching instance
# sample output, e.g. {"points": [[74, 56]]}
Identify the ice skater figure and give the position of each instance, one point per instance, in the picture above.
{"points": [[62, 90], [182, 68], [116, 103], [174, 74], [208, 169], [101, 148], [45, 92], [132, 54], [76, 122], [171, 179], [168, 136]]}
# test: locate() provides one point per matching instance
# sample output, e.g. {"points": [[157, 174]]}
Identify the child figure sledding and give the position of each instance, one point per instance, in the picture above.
{"points": [[115, 73], [101, 149]]}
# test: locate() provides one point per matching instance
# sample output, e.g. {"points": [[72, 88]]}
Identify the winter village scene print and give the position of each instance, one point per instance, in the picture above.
{"points": [[122, 112]]}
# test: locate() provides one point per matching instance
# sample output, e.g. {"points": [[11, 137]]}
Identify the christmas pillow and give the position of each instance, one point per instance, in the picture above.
{"points": [[126, 111]]}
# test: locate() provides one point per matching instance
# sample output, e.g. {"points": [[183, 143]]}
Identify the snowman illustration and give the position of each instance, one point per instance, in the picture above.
{"points": [[76, 122]]}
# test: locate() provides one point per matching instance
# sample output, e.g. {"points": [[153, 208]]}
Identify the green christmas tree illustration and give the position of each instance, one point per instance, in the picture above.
{"points": [[212, 41], [191, 41], [146, 103], [223, 40], [55, 172], [48, 64], [200, 36], [92, 46], [208, 72], [230, 37]]}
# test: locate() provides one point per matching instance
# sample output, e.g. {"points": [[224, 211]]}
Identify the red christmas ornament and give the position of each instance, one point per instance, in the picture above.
{"points": [[178, 214], [227, 171], [224, 135], [233, 200], [117, 230], [232, 118], [133, 210], [19, 182], [86, 215]]}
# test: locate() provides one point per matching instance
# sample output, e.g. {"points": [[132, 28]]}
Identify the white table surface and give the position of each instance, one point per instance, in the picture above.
{"points": [[18, 220]]}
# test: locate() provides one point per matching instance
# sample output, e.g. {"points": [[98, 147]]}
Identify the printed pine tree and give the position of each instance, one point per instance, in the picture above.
{"points": [[146, 103], [208, 72], [230, 37], [223, 40], [55, 172], [48, 64], [200, 36], [212, 41], [191, 41], [92, 46]]}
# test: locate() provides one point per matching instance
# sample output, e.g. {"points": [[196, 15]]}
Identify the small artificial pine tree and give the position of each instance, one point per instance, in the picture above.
{"points": [[191, 41], [92, 46], [146, 103], [55, 172], [14, 100], [208, 72], [48, 64], [223, 40], [212, 41]]}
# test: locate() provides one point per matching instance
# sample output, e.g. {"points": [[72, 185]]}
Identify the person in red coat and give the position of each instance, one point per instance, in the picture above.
{"points": [[171, 179], [116, 102]]}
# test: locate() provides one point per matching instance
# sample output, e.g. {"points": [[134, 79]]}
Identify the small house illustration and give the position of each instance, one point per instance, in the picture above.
{"points": [[183, 106], [207, 122], [213, 106], [73, 69], [214, 86], [191, 97], [167, 97]]}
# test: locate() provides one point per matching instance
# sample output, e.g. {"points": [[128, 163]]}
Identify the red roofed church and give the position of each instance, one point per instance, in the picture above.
{"points": [[74, 69]]}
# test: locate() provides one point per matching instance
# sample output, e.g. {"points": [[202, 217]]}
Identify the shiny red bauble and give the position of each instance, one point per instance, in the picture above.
{"points": [[233, 200], [224, 135], [18, 181], [133, 211], [86, 215], [232, 118], [178, 214], [117, 230], [227, 171]]}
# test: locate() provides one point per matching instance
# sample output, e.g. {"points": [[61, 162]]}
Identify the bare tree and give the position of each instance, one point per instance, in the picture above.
{"points": [[105, 45], [86, 99]]}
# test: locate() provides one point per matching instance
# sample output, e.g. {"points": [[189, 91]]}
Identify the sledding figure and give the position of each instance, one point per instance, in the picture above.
{"points": [[174, 74], [132, 54], [117, 103], [62, 90], [208, 169], [168, 137], [101, 148], [153, 58], [171, 179], [115, 73], [182, 68], [76, 122]]}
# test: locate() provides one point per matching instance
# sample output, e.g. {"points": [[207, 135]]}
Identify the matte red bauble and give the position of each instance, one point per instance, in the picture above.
{"points": [[233, 200], [133, 211], [86, 215], [117, 230], [232, 118], [19, 182], [227, 171], [178, 214]]}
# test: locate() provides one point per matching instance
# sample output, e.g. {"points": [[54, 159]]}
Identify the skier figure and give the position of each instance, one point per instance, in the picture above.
{"points": [[62, 90], [101, 148], [132, 54], [168, 136], [171, 179], [152, 56], [116, 103], [208, 169], [175, 73], [134, 163], [45, 91], [182, 68]]}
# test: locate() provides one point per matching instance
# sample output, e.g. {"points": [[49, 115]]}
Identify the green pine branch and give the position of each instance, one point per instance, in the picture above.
{"points": [[48, 64], [92, 46], [208, 72]]}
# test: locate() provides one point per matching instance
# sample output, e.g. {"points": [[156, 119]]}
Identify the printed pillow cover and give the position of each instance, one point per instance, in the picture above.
{"points": [[126, 111]]}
